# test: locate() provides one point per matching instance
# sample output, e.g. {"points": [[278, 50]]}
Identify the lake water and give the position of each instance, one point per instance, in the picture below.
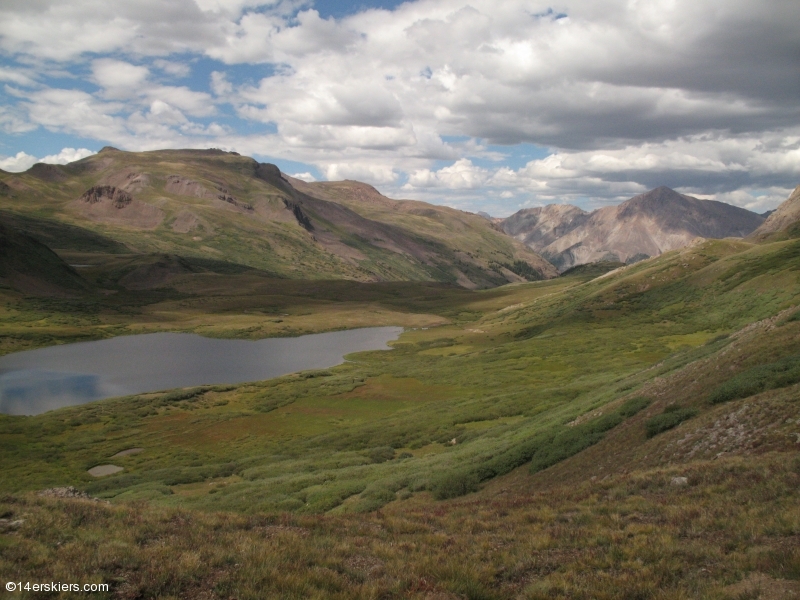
{"points": [[36, 381]]}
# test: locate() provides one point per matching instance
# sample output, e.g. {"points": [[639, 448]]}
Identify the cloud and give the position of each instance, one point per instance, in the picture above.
{"points": [[425, 99], [304, 176], [176, 69], [112, 74], [17, 163], [460, 175], [67, 155], [363, 172], [23, 161]]}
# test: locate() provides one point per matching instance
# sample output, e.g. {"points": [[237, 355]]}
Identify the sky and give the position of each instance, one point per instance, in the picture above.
{"points": [[476, 104]]}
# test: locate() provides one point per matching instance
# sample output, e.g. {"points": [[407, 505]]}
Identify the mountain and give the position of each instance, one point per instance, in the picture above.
{"points": [[541, 226], [219, 205], [646, 225], [780, 219], [29, 266]]}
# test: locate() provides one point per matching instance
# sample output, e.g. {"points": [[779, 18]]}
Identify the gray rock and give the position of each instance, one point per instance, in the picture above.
{"points": [[9, 525]]}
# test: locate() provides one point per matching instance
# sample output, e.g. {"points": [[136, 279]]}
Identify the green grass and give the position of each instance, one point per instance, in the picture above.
{"points": [[502, 448], [308, 442]]}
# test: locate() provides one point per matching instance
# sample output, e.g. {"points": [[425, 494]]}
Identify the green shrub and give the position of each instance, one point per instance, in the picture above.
{"points": [[633, 406], [373, 499], [671, 417], [565, 444], [758, 379], [453, 484], [381, 454], [571, 440]]}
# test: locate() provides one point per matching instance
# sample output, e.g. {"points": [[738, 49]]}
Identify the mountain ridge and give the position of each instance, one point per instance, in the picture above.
{"points": [[646, 225], [213, 204]]}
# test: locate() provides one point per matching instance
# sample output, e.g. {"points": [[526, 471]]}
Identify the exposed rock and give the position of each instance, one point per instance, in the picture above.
{"points": [[273, 176], [129, 180], [183, 186], [302, 218], [115, 206], [118, 197], [65, 492], [11, 525], [128, 452], [646, 225], [679, 481], [103, 470], [541, 226]]}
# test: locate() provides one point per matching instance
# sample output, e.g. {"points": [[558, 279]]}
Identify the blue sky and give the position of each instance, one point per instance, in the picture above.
{"points": [[479, 105]]}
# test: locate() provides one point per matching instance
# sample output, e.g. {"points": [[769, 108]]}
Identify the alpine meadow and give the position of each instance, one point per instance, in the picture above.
{"points": [[594, 396]]}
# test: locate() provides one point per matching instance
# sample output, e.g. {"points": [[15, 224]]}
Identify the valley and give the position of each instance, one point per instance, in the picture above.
{"points": [[618, 431]]}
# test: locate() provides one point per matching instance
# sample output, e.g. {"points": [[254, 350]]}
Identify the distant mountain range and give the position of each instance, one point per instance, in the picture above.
{"points": [[220, 206], [644, 226], [216, 206]]}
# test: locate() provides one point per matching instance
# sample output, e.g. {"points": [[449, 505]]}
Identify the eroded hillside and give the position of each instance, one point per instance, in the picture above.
{"points": [[221, 206]]}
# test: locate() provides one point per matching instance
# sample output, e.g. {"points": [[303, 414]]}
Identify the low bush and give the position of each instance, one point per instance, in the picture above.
{"points": [[633, 406], [671, 417], [381, 454], [453, 484], [375, 498], [758, 379]]}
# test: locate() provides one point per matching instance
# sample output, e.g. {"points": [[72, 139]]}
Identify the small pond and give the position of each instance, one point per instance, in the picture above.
{"points": [[36, 381]]}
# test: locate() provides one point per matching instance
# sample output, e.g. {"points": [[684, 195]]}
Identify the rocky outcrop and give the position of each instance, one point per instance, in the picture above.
{"points": [[118, 197], [302, 218], [113, 205]]}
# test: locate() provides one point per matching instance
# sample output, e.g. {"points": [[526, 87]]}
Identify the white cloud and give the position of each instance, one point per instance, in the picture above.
{"points": [[460, 175], [176, 69], [377, 174], [220, 84], [17, 163], [305, 176], [22, 161], [696, 94], [111, 74], [67, 155]]}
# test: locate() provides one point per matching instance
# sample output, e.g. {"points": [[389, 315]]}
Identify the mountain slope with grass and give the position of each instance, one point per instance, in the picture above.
{"points": [[30, 267], [647, 225], [215, 205], [627, 435]]}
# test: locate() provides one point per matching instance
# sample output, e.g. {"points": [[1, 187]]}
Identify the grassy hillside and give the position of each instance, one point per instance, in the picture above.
{"points": [[534, 443], [221, 206]]}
